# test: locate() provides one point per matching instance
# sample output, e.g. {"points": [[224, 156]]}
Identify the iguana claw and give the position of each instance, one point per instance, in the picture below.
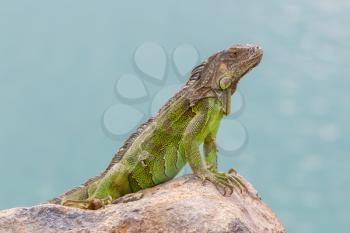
{"points": [[232, 173], [223, 181]]}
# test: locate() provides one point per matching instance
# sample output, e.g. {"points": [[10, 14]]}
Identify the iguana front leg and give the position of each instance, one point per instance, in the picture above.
{"points": [[210, 153], [191, 140], [195, 131]]}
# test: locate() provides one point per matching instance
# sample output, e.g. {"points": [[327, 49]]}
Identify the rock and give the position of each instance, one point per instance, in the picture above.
{"points": [[180, 205]]}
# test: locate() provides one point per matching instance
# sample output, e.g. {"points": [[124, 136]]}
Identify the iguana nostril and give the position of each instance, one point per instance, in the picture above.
{"points": [[257, 48]]}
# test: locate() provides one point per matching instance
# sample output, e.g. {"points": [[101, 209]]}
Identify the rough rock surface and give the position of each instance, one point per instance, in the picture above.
{"points": [[181, 205]]}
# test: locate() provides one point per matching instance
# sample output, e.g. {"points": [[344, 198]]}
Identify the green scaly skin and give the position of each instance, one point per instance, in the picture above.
{"points": [[162, 146]]}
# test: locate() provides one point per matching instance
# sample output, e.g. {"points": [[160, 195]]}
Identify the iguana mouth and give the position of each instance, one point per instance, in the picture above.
{"points": [[252, 62]]}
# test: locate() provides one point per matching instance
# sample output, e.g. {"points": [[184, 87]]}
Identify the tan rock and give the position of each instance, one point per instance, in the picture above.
{"points": [[180, 205]]}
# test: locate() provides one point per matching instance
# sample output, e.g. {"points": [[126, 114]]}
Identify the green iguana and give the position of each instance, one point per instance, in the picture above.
{"points": [[159, 148]]}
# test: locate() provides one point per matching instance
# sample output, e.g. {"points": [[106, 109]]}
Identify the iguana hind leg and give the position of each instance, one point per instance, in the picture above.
{"points": [[90, 204]]}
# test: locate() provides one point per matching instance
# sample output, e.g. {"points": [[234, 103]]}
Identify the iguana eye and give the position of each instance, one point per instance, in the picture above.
{"points": [[225, 82]]}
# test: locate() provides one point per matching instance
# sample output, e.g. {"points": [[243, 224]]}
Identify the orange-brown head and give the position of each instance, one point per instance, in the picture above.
{"points": [[222, 71]]}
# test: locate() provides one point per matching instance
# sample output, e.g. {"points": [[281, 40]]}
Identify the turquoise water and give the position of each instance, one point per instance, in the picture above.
{"points": [[65, 71]]}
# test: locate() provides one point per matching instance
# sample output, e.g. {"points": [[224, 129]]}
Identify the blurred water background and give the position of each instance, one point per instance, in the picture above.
{"points": [[60, 62]]}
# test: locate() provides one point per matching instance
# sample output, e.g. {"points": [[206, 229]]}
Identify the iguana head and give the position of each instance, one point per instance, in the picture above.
{"points": [[220, 74]]}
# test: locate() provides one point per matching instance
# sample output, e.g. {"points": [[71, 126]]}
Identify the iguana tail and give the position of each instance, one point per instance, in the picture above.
{"points": [[82, 192], [78, 193]]}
